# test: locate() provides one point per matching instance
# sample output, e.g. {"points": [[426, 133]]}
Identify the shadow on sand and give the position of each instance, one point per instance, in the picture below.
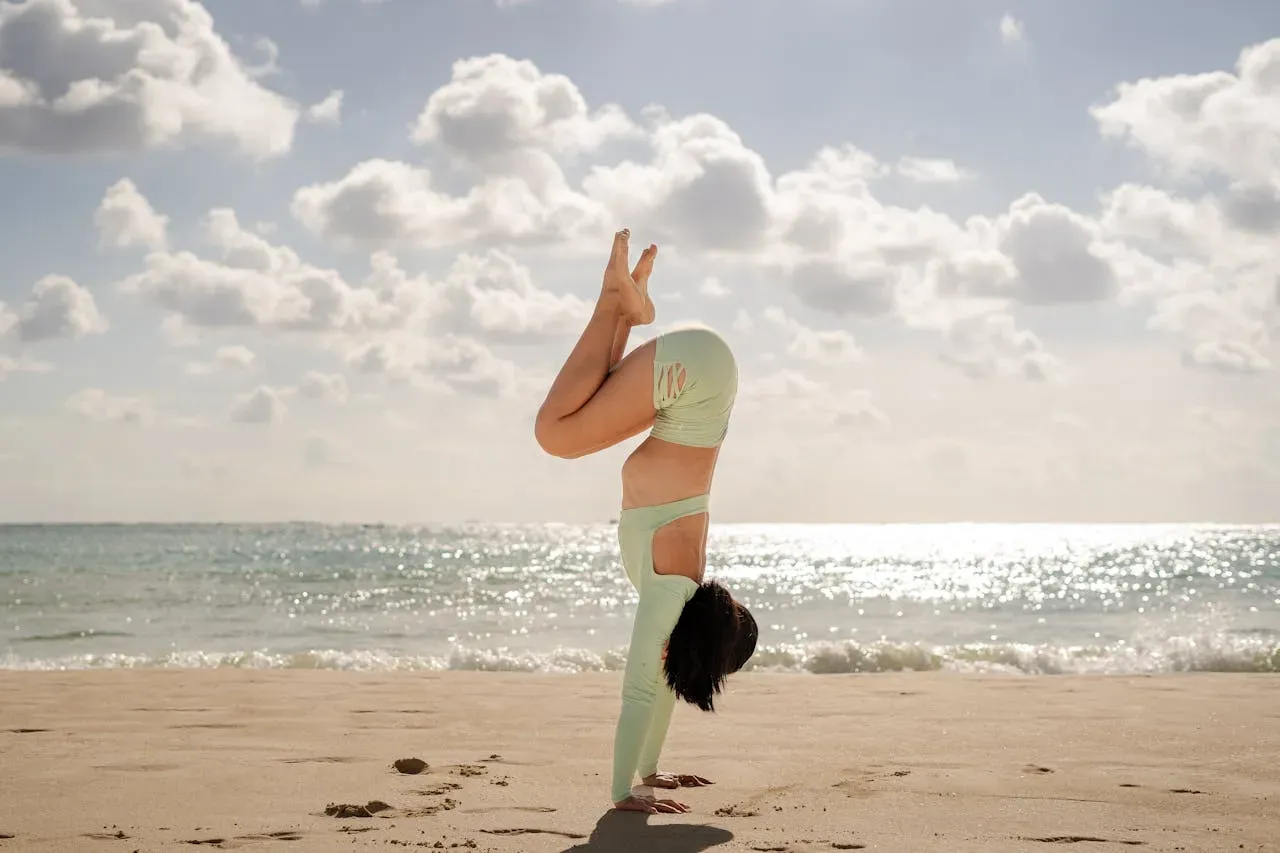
{"points": [[625, 832]]}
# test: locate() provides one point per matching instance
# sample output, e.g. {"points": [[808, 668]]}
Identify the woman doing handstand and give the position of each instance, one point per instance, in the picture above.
{"points": [[681, 385]]}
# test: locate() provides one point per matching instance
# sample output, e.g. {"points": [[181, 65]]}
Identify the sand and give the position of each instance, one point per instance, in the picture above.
{"points": [[236, 759]]}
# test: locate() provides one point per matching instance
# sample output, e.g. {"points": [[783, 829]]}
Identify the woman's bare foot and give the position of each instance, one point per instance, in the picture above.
{"points": [[640, 275], [632, 294]]}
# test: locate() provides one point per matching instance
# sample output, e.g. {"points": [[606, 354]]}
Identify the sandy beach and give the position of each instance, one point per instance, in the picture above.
{"points": [[240, 759]]}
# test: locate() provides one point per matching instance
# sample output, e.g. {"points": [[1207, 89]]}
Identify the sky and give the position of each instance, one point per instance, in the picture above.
{"points": [[321, 259]]}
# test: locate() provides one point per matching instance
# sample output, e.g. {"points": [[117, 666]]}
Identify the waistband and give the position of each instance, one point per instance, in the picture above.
{"points": [[657, 515]]}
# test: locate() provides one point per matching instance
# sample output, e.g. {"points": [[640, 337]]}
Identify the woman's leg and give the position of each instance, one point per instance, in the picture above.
{"points": [[621, 334], [593, 405]]}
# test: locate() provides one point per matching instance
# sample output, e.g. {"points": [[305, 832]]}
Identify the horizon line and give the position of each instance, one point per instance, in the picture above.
{"points": [[613, 521]]}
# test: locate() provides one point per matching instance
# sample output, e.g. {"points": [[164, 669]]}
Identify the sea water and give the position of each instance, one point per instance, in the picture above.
{"points": [[829, 599]]}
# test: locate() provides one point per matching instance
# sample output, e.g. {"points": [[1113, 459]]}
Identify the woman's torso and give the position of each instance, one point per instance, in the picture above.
{"points": [[659, 472]]}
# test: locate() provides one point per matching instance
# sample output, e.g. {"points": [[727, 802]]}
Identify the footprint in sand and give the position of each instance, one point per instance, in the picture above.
{"points": [[1035, 768], [787, 848], [470, 770], [104, 836], [27, 731], [1184, 791], [737, 811], [321, 759], [387, 711], [447, 804], [438, 789], [1077, 839], [173, 710], [346, 810], [282, 835], [532, 831]]}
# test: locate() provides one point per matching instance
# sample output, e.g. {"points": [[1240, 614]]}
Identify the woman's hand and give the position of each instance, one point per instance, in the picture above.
{"points": [[675, 780], [649, 805]]}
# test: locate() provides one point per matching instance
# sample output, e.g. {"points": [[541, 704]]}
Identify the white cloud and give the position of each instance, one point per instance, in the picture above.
{"points": [[1228, 356], [321, 450], [119, 75], [125, 218], [378, 325], [315, 4], [925, 170], [496, 111], [10, 365], [493, 297], [704, 188], [328, 111], [447, 364], [100, 406], [819, 230], [260, 406], [1056, 253], [385, 203], [789, 395], [713, 288], [57, 308], [498, 118], [253, 284], [507, 4], [1012, 31], [227, 358], [805, 344], [1209, 264], [1216, 122], [991, 345], [271, 58], [324, 386], [855, 410]]}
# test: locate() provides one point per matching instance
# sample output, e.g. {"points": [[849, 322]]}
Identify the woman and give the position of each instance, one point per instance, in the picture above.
{"points": [[682, 385]]}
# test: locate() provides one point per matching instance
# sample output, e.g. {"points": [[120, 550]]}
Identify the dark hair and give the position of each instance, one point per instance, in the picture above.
{"points": [[715, 636]]}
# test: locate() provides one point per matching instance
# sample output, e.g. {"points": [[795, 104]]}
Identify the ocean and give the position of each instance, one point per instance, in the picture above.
{"points": [[829, 599]]}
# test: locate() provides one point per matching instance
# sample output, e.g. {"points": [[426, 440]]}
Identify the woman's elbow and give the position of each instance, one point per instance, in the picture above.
{"points": [[549, 433]]}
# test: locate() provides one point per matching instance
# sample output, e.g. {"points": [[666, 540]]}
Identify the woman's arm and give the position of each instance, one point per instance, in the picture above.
{"points": [[659, 723], [658, 611]]}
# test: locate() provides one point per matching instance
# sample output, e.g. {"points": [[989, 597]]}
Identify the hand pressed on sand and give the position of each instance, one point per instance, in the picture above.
{"points": [[650, 805]]}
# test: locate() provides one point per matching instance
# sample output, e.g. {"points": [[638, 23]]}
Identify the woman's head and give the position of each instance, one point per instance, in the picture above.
{"points": [[714, 637]]}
